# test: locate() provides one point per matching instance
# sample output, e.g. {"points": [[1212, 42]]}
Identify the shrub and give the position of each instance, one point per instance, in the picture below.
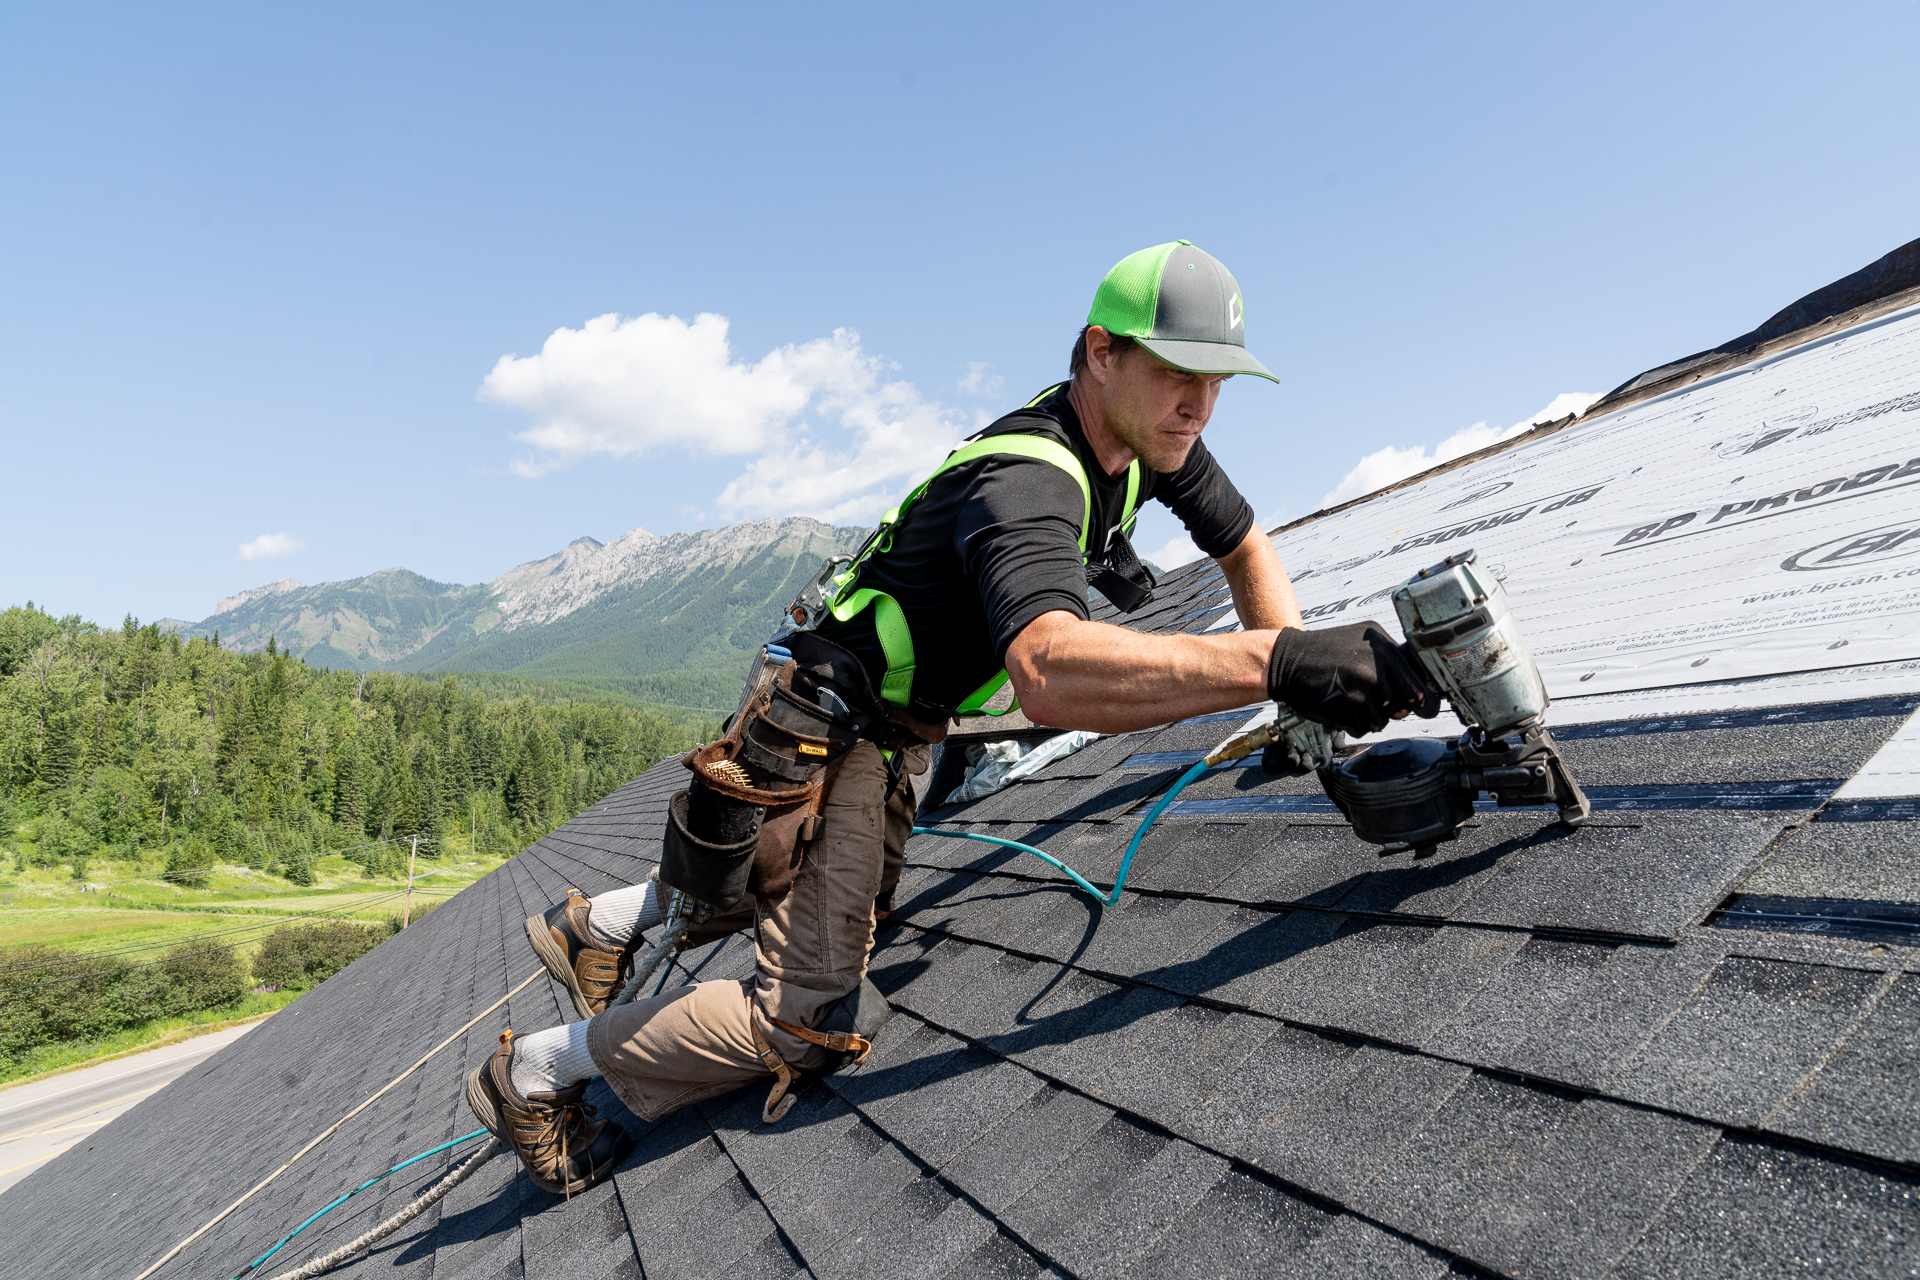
{"points": [[421, 905], [47, 994], [312, 954], [200, 977], [188, 863]]}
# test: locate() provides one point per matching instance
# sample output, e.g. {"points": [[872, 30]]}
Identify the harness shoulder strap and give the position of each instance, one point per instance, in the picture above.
{"points": [[890, 621]]}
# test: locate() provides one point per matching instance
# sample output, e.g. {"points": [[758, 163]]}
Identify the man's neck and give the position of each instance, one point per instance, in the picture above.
{"points": [[1112, 455]]}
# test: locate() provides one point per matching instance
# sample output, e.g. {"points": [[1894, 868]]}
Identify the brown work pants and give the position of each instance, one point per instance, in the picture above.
{"points": [[810, 949]]}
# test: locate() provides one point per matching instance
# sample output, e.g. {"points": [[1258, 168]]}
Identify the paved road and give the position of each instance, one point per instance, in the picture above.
{"points": [[39, 1121]]}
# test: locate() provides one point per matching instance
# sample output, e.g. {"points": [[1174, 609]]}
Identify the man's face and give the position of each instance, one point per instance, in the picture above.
{"points": [[1154, 409]]}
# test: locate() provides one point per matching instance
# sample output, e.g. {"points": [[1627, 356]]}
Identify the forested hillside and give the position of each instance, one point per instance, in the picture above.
{"points": [[665, 619], [683, 637], [142, 747]]}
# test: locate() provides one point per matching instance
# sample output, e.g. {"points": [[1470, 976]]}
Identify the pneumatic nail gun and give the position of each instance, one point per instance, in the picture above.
{"points": [[1415, 792]]}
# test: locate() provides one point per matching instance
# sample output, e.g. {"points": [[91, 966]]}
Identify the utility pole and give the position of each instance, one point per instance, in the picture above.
{"points": [[406, 910]]}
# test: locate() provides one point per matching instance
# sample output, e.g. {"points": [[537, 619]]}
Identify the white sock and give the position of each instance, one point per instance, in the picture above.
{"points": [[548, 1060], [621, 915]]}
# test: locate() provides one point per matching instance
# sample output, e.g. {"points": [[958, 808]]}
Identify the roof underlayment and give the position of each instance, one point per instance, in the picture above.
{"points": [[1677, 1042]]}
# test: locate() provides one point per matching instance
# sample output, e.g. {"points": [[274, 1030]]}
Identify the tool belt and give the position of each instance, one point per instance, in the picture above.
{"points": [[780, 755], [846, 1033]]}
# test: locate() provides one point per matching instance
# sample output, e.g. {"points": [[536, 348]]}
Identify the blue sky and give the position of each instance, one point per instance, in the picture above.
{"points": [[260, 265]]}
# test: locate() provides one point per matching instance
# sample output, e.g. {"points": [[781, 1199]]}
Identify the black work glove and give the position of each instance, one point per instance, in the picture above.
{"points": [[1284, 758], [1352, 678]]}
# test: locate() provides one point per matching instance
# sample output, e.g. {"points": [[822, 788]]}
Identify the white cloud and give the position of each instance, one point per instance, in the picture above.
{"points": [[1178, 551], [979, 382], [828, 437], [270, 546], [1387, 465]]}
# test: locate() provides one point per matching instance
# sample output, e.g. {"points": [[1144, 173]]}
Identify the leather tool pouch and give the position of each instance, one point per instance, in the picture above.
{"points": [[781, 753], [713, 873], [1120, 576]]}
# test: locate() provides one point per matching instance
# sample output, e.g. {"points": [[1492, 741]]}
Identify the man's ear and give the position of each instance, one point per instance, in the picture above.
{"points": [[1099, 352]]}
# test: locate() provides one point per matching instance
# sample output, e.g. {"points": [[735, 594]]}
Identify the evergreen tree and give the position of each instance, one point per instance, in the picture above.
{"points": [[350, 788]]}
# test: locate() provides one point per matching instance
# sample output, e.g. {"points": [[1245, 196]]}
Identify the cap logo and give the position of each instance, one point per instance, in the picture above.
{"points": [[1233, 312]]}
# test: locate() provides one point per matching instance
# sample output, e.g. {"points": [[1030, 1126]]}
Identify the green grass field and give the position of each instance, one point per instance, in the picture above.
{"points": [[140, 918]]}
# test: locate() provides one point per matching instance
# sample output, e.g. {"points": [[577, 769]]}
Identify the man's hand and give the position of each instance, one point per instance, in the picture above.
{"points": [[1354, 678], [1286, 759]]}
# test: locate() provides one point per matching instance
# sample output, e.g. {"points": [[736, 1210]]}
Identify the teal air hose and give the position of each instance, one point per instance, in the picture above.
{"points": [[261, 1260], [1108, 898], [1232, 751]]}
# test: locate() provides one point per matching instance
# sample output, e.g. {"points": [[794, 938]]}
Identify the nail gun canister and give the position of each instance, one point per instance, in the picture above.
{"points": [[1456, 617]]}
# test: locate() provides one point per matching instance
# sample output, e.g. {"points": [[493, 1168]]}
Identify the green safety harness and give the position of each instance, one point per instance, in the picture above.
{"points": [[848, 601]]}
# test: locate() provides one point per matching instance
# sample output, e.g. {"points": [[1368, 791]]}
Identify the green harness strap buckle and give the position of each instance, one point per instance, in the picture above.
{"points": [[890, 621]]}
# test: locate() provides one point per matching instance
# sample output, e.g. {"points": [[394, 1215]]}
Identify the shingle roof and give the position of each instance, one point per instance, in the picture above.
{"points": [[1678, 1041]]}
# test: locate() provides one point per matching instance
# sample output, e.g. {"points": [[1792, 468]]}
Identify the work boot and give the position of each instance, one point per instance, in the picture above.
{"points": [[591, 973], [564, 1152]]}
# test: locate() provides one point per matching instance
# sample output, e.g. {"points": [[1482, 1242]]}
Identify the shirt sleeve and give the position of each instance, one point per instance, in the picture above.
{"points": [[1216, 516], [1017, 532]]}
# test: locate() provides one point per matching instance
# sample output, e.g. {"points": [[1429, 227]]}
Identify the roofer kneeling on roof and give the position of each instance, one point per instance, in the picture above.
{"points": [[796, 822]]}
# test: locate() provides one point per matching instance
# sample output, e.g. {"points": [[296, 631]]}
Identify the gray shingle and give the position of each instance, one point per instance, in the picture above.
{"points": [[897, 1067], [1081, 1024], [1865, 1097], [1534, 1182], [1438, 885], [767, 1154], [1248, 954], [1028, 1146], [1537, 980], [1108, 1237], [1288, 1064], [869, 1172], [1824, 749], [1246, 1227], [1195, 858], [1873, 861], [1048, 1214], [1139, 934], [1179, 1059], [1611, 1014], [966, 1095], [1753, 1209], [1311, 865], [1001, 1257], [1394, 982], [1648, 880], [871, 1248], [1334, 1138], [1746, 1039], [999, 997]]}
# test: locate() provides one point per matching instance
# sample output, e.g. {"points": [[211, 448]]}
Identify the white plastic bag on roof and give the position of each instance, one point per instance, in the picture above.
{"points": [[1005, 762]]}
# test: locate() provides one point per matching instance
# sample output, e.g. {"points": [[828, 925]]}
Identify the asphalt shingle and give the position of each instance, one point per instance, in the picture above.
{"points": [[1755, 1209], [1747, 1038]]}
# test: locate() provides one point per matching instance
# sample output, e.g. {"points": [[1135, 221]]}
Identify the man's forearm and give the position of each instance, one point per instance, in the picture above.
{"points": [[1262, 592], [1075, 674]]}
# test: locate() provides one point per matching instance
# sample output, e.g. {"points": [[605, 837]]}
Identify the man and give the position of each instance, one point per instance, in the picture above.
{"points": [[986, 568]]}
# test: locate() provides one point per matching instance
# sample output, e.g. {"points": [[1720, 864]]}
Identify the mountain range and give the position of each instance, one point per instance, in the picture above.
{"points": [[668, 618]]}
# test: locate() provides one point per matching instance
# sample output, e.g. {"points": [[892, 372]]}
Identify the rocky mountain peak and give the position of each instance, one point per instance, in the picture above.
{"points": [[232, 602], [544, 591]]}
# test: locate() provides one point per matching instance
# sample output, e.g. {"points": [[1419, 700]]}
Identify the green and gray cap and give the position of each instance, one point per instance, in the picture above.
{"points": [[1181, 304]]}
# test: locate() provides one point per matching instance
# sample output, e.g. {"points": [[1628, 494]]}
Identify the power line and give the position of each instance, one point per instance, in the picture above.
{"points": [[270, 862], [145, 964], [268, 923]]}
